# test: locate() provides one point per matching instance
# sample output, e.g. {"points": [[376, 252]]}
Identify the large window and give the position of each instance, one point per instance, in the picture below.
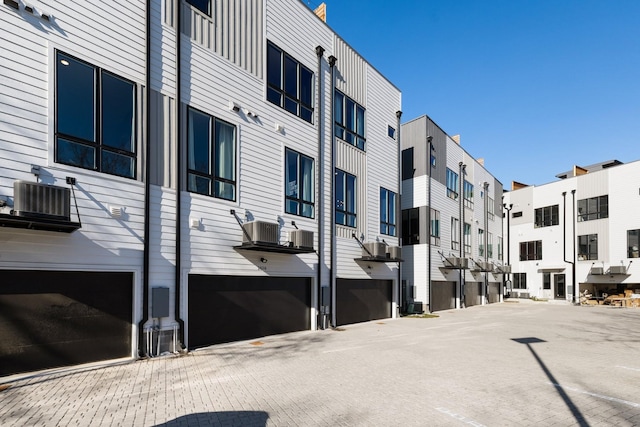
{"points": [[530, 251], [387, 212], [467, 189], [95, 122], [452, 184], [489, 245], [593, 208], [435, 227], [546, 280], [345, 199], [203, 6], [299, 184], [633, 243], [349, 118], [289, 83], [467, 238], [455, 234], [411, 226], [491, 205], [547, 216], [519, 280], [480, 242], [211, 152], [587, 247], [407, 163], [500, 249]]}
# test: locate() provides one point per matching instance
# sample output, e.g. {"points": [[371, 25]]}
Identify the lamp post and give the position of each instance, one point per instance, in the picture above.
{"points": [[430, 149], [508, 209]]}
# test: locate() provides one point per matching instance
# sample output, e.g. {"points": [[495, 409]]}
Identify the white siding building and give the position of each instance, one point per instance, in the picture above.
{"points": [[576, 234], [208, 194], [443, 185]]}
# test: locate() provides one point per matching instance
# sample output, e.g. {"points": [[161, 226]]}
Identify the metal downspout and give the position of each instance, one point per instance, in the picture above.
{"points": [[461, 167], [399, 211], [564, 241], [147, 187], [573, 244], [429, 151], [332, 284], [177, 279], [319, 208], [486, 241]]}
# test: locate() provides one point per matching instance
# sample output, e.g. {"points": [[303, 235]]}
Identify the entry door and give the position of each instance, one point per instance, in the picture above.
{"points": [[559, 283]]}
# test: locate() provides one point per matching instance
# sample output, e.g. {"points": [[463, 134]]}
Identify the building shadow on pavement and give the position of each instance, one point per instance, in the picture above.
{"points": [[223, 418]]}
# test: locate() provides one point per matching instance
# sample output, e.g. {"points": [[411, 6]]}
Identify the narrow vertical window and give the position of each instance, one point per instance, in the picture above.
{"points": [[349, 120], [299, 184], [345, 198], [387, 212]]}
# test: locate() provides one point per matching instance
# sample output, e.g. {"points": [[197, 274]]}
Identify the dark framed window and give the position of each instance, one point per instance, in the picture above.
{"points": [[500, 249], [467, 238], [345, 198], [593, 208], [519, 280], [203, 6], [480, 242], [434, 230], [491, 205], [547, 216], [633, 243], [407, 163], [587, 247], [452, 184], [546, 280], [289, 83], [349, 120], [95, 125], [467, 189], [391, 132], [516, 214], [455, 234], [489, 245], [299, 184], [211, 152], [387, 212], [411, 226], [530, 251]]}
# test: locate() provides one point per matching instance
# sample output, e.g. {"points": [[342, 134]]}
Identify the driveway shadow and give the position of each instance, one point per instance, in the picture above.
{"points": [[224, 418]]}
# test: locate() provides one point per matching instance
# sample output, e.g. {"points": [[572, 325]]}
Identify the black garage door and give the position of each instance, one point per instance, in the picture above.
{"points": [[493, 292], [50, 319], [361, 300], [231, 308], [443, 295]]}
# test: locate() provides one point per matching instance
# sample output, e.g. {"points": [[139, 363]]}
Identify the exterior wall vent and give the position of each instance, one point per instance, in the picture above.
{"points": [[376, 249], [596, 271], [35, 200], [394, 252], [261, 232], [617, 269], [302, 239]]}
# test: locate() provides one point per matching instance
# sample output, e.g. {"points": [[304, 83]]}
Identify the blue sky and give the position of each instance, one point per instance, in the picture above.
{"points": [[532, 86]]}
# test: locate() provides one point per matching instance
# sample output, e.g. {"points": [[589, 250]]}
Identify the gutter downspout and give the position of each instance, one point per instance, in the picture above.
{"points": [[332, 284], [461, 167], [429, 153], [147, 188], [486, 241], [399, 212], [177, 278], [319, 210], [564, 228]]}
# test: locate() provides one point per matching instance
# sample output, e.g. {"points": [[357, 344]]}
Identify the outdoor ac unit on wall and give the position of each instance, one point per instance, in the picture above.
{"points": [[597, 271], [376, 249], [261, 232], [35, 200], [617, 269], [456, 262], [301, 239], [394, 252]]}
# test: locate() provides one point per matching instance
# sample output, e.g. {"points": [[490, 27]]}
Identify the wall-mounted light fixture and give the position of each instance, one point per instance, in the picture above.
{"points": [[234, 106]]}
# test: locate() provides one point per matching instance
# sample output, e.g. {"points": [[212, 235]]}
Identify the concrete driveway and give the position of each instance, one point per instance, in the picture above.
{"points": [[507, 364]]}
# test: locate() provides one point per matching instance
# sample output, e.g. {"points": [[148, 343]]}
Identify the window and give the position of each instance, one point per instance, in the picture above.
{"points": [[452, 184], [491, 205], [349, 118], [211, 151], [203, 6], [391, 132], [587, 247], [289, 83], [547, 216], [500, 254], [407, 163], [480, 242], [455, 234], [387, 212], [467, 238], [519, 280], [530, 251], [95, 118], [593, 208], [516, 214], [467, 189], [546, 280], [345, 199], [435, 227], [633, 243], [489, 245], [411, 226], [299, 184]]}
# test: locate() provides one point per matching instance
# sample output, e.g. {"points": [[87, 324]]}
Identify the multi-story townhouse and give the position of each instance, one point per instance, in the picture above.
{"points": [[226, 170], [451, 222], [575, 235]]}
